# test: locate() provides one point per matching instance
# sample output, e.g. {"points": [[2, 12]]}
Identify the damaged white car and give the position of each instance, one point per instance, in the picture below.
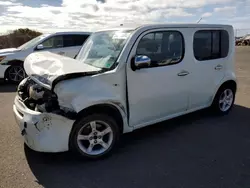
{"points": [[122, 80]]}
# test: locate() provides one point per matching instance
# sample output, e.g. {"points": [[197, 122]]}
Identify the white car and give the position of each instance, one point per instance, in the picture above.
{"points": [[63, 43], [122, 80]]}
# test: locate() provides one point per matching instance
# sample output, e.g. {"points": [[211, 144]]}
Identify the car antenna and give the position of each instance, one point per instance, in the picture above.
{"points": [[199, 20]]}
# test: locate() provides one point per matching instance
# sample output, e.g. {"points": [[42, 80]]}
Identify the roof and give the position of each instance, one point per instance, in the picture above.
{"points": [[70, 33], [170, 25], [187, 25]]}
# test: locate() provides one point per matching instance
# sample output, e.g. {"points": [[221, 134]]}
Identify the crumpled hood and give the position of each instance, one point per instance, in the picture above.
{"points": [[7, 51], [46, 67]]}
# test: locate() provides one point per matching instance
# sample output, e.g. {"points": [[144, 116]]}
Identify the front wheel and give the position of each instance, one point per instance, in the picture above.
{"points": [[94, 136], [15, 74], [224, 100]]}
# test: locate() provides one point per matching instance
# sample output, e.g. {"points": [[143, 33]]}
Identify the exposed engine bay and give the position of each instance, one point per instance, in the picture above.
{"points": [[40, 99]]}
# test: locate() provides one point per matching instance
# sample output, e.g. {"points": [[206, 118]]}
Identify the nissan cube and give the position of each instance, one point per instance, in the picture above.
{"points": [[124, 79]]}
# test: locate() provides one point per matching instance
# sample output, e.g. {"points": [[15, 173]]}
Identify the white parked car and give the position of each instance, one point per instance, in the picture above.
{"points": [[63, 43], [122, 80]]}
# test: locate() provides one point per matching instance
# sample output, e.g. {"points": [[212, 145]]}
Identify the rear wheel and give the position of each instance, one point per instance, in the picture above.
{"points": [[15, 74], [224, 100], [94, 136]]}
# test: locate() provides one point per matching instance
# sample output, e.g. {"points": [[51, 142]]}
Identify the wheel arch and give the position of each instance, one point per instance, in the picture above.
{"points": [[231, 83], [106, 108]]}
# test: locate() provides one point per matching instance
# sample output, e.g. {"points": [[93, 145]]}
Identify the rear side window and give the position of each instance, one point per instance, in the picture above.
{"points": [[210, 44], [74, 40], [163, 47]]}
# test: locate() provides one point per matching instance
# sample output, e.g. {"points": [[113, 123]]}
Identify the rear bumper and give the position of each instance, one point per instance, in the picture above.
{"points": [[44, 132]]}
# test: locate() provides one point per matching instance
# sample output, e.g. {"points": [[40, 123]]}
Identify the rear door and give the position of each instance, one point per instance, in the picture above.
{"points": [[73, 43], [210, 49]]}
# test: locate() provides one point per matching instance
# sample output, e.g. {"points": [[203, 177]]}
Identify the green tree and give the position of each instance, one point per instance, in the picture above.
{"points": [[17, 37]]}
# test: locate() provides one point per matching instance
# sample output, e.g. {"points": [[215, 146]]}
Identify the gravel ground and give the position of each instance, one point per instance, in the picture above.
{"points": [[196, 150]]}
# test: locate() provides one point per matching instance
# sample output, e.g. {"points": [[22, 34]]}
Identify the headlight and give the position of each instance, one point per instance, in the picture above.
{"points": [[2, 58]]}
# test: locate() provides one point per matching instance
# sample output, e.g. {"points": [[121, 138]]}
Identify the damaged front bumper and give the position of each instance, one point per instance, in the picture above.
{"points": [[42, 131]]}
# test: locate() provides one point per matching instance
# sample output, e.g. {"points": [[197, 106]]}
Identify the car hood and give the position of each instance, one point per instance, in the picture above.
{"points": [[8, 51], [48, 68]]}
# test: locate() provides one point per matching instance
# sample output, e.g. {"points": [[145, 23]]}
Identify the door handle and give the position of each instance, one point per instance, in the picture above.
{"points": [[183, 73], [218, 67]]}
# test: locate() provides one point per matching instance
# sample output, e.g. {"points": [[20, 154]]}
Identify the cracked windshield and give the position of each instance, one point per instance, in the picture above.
{"points": [[103, 48]]}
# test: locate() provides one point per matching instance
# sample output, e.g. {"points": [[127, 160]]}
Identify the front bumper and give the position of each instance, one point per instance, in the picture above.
{"points": [[44, 132]]}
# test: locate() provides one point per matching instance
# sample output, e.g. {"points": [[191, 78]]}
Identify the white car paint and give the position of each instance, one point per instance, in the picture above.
{"points": [[12, 55], [143, 97], [50, 66]]}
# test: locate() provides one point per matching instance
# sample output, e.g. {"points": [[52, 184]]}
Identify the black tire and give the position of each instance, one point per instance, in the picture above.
{"points": [[216, 106], [11, 78], [79, 124]]}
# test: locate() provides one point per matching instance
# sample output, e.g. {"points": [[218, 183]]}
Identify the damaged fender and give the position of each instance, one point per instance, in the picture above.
{"points": [[79, 104], [113, 103], [79, 94]]}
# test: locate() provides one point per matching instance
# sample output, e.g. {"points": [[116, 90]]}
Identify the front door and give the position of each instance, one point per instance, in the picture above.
{"points": [[54, 44], [161, 90], [65, 45]]}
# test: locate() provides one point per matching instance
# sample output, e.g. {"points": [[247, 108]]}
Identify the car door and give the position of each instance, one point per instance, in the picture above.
{"points": [[161, 90], [73, 43], [54, 44], [210, 48]]}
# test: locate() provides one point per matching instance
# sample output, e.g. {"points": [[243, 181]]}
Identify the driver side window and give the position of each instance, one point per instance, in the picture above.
{"points": [[53, 42], [163, 48]]}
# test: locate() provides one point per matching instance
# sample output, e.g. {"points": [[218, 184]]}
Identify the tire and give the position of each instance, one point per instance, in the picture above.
{"points": [[102, 143], [15, 74], [222, 105]]}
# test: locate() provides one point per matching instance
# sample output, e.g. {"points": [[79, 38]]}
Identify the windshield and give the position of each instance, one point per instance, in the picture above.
{"points": [[31, 43], [103, 48]]}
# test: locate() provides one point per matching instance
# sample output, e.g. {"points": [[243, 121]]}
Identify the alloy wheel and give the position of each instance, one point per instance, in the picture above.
{"points": [[226, 100], [95, 137], [16, 74]]}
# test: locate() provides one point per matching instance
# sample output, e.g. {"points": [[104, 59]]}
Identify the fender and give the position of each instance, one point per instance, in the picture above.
{"points": [[115, 103], [72, 76]]}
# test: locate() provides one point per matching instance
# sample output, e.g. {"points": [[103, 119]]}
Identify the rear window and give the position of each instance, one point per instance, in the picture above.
{"points": [[210, 44], [74, 40]]}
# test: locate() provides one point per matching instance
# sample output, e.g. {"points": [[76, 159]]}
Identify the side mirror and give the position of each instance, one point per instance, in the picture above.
{"points": [[39, 47], [140, 61]]}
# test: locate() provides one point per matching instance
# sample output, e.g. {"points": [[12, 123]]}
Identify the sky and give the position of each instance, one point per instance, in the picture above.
{"points": [[91, 15]]}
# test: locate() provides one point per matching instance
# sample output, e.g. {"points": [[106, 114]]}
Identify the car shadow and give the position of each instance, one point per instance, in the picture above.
{"points": [[7, 87], [195, 150]]}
